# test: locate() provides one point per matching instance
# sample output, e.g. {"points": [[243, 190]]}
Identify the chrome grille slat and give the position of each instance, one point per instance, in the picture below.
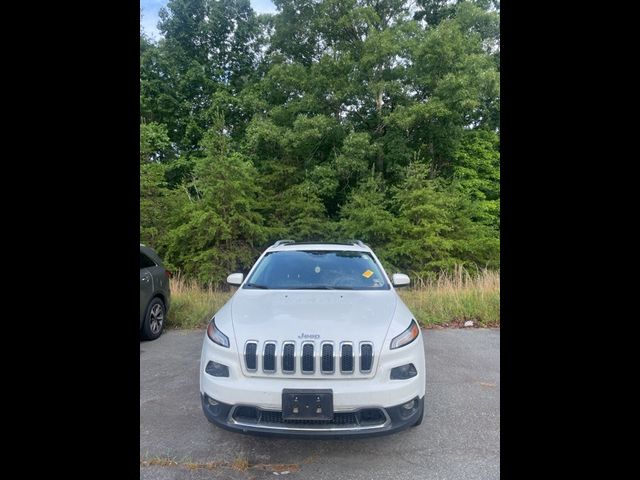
{"points": [[269, 357], [366, 357], [250, 355], [307, 358], [346, 357], [288, 357], [327, 361]]}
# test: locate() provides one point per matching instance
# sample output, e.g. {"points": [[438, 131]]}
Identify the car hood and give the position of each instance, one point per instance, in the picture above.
{"points": [[336, 315]]}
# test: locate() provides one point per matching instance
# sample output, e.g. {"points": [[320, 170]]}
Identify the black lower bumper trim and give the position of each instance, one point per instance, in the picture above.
{"points": [[398, 418]]}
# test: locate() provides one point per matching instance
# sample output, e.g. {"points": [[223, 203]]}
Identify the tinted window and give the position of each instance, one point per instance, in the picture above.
{"points": [[145, 261], [309, 270]]}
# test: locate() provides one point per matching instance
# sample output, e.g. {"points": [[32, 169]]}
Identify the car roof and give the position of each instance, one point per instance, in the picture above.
{"points": [[150, 252]]}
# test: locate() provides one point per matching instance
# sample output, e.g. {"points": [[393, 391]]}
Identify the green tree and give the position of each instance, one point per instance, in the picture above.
{"points": [[219, 35], [365, 215], [477, 169], [221, 227], [300, 214], [294, 34], [155, 145], [159, 206], [436, 227]]}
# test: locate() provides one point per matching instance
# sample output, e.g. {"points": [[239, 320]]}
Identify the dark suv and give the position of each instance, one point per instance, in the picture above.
{"points": [[155, 295]]}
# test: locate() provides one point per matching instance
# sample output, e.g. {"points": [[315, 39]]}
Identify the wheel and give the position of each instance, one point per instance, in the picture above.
{"points": [[154, 320]]}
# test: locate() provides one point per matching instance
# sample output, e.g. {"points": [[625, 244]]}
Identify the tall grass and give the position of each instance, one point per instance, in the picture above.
{"points": [[192, 306], [453, 298], [448, 300]]}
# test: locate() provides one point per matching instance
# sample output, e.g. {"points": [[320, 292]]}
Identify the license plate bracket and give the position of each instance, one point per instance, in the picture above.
{"points": [[307, 404]]}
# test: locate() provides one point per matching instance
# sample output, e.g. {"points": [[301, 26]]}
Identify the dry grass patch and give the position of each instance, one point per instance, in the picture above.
{"points": [[192, 306], [453, 298], [239, 464]]}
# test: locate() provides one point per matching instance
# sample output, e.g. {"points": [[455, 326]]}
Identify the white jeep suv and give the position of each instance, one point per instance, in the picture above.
{"points": [[315, 342]]}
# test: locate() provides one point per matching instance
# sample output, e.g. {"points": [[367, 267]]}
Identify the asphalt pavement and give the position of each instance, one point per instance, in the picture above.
{"points": [[459, 438]]}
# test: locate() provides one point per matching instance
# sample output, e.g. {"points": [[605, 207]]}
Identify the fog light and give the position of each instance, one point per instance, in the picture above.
{"points": [[217, 369], [213, 407], [409, 405], [403, 372], [410, 408]]}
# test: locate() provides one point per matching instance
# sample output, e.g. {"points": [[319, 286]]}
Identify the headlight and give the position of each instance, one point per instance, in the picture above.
{"points": [[216, 335], [406, 337]]}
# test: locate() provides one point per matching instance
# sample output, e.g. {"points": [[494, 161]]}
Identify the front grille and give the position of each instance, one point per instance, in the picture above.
{"points": [[307, 358], [310, 356], [250, 355], [246, 414], [269, 359], [346, 360], [371, 416], [368, 417], [338, 419]]}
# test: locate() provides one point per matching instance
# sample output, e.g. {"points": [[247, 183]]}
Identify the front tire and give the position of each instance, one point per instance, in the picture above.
{"points": [[153, 320]]}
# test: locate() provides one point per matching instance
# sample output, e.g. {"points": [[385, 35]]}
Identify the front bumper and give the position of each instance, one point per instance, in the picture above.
{"points": [[358, 422], [349, 392]]}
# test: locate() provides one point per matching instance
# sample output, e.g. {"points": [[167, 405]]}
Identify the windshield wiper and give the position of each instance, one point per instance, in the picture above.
{"points": [[323, 287], [256, 285], [314, 287]]}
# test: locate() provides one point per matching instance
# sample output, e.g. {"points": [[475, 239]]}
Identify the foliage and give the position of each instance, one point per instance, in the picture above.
{"points": [[332, 119]]}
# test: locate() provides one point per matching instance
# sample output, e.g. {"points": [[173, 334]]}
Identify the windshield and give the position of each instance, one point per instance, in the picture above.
{"points": [[317, 270]]}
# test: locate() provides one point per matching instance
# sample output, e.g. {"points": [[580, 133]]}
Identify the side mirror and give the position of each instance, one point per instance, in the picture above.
{"points": [[235, 279], [400, 280]]}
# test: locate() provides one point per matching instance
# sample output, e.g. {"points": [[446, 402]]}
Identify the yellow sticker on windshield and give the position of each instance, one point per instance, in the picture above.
{"points": [[367, 274]]}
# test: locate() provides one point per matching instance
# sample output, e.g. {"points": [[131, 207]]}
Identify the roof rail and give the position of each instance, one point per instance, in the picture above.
{"points": [[357, 242], [282, 242], [348, 242]]}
